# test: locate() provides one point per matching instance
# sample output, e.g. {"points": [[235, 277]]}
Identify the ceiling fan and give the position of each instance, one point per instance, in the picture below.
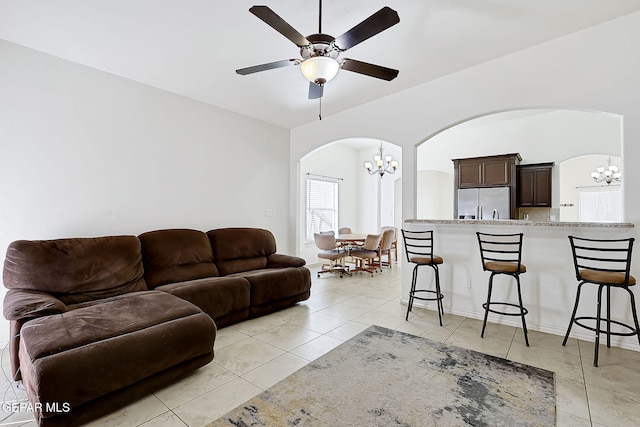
{"points": [[320, 63]]}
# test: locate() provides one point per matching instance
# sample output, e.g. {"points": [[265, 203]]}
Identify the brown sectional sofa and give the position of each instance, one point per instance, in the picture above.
{"points": [[96, 322]]}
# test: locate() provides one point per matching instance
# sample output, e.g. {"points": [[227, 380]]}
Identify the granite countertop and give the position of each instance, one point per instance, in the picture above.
{"points": [[519, 222]]}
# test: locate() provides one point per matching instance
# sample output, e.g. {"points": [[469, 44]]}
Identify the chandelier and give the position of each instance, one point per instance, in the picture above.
{"points": [[609, 174], [381, 164]]}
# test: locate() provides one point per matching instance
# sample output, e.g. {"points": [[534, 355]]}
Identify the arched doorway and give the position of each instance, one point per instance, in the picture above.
{"points": [[365, 202]]}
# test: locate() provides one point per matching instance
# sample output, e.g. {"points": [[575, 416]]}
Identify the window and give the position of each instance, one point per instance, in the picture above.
{"points": [[321, 206], [601, 205]]}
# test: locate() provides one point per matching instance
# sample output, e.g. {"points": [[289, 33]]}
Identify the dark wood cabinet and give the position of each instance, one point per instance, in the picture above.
{"points": [[497, 172], [487, 171], [534, 185], [469, 174]]}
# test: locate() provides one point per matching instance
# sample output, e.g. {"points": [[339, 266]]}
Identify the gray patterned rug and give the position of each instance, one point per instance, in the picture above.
{"points": [[385, 378]]}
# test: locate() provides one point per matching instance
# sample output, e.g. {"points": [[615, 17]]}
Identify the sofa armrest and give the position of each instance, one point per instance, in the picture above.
{"points": [[279, 260], [22, 304]]}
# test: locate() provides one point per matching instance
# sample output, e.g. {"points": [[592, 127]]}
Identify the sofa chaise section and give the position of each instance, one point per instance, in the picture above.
{"points": [[44, 276], [89, 335]]}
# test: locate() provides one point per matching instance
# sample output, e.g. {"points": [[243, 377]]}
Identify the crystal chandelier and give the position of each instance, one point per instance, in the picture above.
{"points": [[381, 164], [609, 174]]}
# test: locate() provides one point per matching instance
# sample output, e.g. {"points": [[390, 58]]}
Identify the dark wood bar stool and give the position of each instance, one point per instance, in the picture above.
{"points": [[502, 254], [418, 246], [605, 263]]}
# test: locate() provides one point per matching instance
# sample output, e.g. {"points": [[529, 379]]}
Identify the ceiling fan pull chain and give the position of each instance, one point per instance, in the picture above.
{"points": [[320, 113]]}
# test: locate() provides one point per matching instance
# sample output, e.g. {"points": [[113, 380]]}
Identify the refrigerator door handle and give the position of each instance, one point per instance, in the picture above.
{"points": [[479, 212]]}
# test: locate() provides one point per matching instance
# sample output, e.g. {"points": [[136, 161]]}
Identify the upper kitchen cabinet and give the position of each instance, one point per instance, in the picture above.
{"points": [[488, 171], [534, 185]]}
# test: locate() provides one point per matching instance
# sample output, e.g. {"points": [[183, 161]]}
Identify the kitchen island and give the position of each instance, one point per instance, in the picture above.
{"points": [[548, 287]]}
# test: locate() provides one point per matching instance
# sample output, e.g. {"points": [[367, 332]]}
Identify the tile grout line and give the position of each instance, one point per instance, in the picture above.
{"points": [[584, 381]]}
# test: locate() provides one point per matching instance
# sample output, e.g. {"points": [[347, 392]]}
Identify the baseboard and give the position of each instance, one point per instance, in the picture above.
{"points": [[627, 343]]}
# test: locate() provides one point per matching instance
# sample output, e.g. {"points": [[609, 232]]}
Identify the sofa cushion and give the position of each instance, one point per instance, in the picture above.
{"points": [[241, 249], [268, 285], [23, 304], [281, 260], [76, 270], [176, 255], [216, 296], [88, 352]]}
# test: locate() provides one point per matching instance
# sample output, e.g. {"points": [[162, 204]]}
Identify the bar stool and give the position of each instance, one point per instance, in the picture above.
{"points": [[605, 263], [502, 254], [418, 246]]}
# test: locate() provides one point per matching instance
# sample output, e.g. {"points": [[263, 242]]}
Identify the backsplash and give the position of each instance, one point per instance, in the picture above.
{"points": [[539, 214]]}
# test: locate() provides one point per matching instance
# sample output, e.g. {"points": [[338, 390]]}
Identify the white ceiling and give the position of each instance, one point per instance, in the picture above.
{"points": [[193, 47]]}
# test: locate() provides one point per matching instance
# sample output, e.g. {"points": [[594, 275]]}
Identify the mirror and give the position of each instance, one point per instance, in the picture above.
{"points": [[539, 135]]}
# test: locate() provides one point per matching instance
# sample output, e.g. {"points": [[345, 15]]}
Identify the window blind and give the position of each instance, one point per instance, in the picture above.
{"points": [[604, 205], [321, 205]]}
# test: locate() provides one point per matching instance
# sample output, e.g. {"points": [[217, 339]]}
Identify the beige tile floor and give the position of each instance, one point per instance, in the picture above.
{"points": [[252, 356]]}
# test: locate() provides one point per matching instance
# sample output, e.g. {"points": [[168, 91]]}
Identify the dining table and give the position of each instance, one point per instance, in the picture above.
{"points": [[351, 238]]}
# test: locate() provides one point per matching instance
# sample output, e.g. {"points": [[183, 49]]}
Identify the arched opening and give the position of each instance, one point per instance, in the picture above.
{"points": [[538, 135], [365, 202]]}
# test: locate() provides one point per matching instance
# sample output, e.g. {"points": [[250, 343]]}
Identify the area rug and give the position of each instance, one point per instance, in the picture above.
{"points": [[383, 377]]}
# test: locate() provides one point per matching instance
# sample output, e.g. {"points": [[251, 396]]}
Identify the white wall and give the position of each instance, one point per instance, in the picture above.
{"points": [[387, 187], [377, 193], [435, 194], [86, 153], [368, 192], [592, 70]]}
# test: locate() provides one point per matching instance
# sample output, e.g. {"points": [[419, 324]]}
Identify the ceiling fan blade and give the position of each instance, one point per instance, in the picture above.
{"points": [[315, 90], [376, 23], [280, 25], [268, 66], [367, 69]]}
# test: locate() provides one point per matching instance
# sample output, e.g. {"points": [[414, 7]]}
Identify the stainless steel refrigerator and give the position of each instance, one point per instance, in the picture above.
{"points": [[480, 203]]}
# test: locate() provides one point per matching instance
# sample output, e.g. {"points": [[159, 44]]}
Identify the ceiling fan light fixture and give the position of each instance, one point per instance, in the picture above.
{"points": [[320, 69]]}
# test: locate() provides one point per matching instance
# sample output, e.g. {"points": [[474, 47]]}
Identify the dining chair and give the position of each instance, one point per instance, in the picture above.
{"points": [[366, 255], [394, 244], [326, 242], [386, 243]]}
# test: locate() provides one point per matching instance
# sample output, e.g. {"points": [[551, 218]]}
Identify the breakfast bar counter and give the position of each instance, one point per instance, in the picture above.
{"points": [[548, 286], [522, 223]]}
